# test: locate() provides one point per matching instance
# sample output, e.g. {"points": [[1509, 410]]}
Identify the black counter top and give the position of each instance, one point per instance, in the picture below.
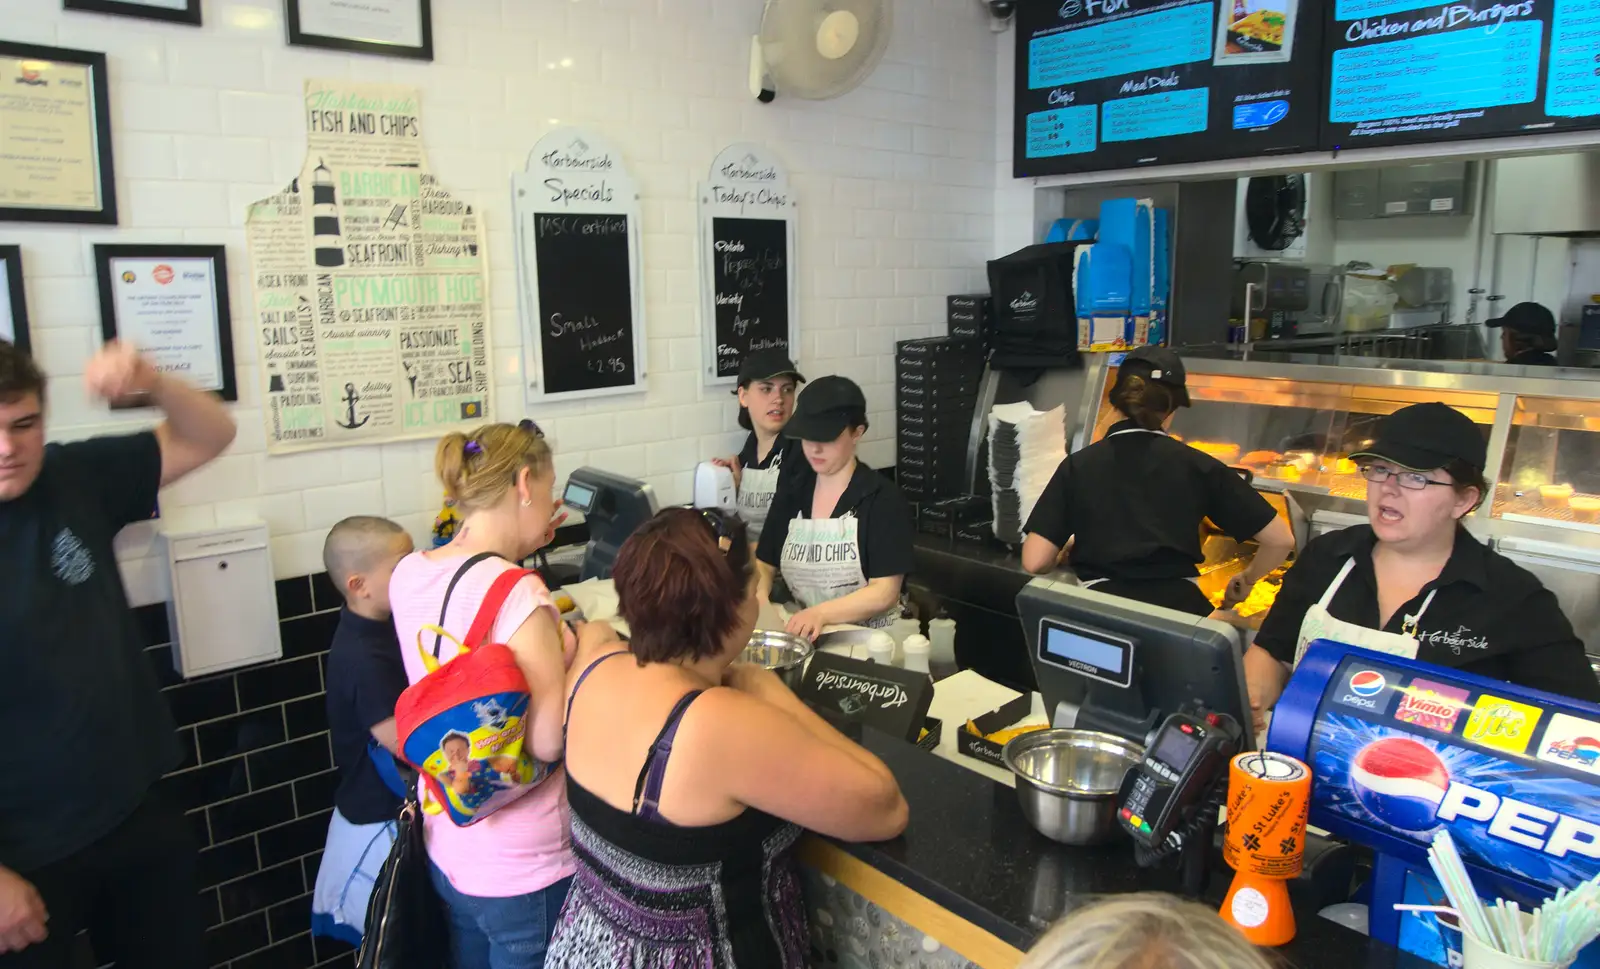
{"points": [[969, 849]]}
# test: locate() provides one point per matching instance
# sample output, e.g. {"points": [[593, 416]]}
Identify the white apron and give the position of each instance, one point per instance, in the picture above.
{"points": [[1319, 624], [821, 561], [756, 487]]}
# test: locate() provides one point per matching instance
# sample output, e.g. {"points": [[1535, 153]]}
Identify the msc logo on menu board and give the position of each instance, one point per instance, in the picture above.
{"points": [[1572, 742], [1502, 724]]}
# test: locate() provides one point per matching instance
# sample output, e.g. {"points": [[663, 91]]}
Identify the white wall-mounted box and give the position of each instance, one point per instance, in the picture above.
{"points": [[223, 610]]}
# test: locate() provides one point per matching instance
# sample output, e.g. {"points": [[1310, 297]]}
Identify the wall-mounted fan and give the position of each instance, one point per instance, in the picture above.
{"points": [[817, 49]]}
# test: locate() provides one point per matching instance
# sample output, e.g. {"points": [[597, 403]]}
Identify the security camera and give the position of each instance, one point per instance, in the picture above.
{"points": [[1000, 13]]}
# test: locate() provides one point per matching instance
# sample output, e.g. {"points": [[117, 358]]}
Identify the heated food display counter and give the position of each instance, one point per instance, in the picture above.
{"points": [[1294, 426]]}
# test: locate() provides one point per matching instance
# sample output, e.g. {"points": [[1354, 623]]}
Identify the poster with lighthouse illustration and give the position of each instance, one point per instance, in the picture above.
{"points": [[370, 284]]}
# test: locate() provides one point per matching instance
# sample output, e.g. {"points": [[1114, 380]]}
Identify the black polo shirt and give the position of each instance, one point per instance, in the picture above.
{"points": [[79, 701], [788, 447], [1490, 616], [365, 678], [1532, 358], [884, 519], [1135, 501]]}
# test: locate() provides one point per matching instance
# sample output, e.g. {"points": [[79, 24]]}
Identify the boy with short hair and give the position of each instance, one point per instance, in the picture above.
{"points": [[364, 680]]}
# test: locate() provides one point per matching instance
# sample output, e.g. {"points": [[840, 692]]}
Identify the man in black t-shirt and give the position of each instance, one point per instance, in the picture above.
{"points": [[87, 845], [365, 678]]}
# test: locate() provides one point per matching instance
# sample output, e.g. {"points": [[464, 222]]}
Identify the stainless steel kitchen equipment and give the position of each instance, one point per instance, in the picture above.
{"points": [[783, 653], [1067, 781]]}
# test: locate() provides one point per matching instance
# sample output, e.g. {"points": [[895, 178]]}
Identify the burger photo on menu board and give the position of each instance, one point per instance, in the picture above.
{"points": [[1254, 31]]}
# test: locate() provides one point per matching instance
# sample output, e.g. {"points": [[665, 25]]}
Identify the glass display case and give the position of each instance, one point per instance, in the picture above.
{"points": [[1294, 426], [1550, 474]]}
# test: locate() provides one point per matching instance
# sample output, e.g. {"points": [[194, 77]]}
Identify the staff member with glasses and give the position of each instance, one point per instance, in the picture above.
{"points": [[1412, 582]]}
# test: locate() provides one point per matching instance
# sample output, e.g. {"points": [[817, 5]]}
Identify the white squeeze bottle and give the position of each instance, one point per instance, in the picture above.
{"points": [[880, 648], [917, 649], [942, 636]]}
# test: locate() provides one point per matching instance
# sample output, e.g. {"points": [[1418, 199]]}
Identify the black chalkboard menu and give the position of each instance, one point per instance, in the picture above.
{"points": [[1403, 72], [750, 279], [1109, 84], [585, 321]]}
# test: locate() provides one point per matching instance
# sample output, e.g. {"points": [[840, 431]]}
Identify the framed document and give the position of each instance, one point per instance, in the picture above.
{"points": [[13, 304], [396, 28], [173, 11], [55, 136], [172, 303]]}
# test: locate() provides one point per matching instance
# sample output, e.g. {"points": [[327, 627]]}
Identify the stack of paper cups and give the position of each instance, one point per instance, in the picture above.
{"points": [[1269, 795]]}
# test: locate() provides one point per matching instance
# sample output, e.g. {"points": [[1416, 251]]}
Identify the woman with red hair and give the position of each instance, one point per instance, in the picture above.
{"points": [[690, 775]]}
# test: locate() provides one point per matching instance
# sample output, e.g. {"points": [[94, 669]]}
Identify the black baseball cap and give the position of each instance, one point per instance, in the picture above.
{"points": [[824, 409], [765, 365], [1426, 437], [1159, 364], [1530, 318]]}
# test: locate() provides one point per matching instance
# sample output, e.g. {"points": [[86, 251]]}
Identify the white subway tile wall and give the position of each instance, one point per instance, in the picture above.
{"points": [[896, 183]]}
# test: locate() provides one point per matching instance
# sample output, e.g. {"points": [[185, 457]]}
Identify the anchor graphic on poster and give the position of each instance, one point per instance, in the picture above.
{"points": [[350, 398]]}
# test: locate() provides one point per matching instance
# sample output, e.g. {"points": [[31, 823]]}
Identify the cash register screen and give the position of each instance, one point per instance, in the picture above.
{"points": [[1090, 652], [579, 497]]}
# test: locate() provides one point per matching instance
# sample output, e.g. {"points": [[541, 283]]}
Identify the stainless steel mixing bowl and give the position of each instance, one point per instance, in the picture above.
{"points": [[1067, 781], [780, 652]]}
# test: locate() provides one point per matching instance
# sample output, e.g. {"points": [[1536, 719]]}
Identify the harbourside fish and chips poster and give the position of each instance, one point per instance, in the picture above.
{"points": [[371, 290]]}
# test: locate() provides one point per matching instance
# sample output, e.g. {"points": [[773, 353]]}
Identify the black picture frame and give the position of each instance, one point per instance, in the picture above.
{"points": [[133, 8], [299, 38], [105, 255], [14, 295], [96, 62]]}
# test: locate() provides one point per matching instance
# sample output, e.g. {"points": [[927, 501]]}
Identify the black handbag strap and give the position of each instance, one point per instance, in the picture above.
{"points": [[466, 567]]}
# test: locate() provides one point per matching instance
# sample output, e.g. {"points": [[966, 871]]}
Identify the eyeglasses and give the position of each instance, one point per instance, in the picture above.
{"points": [[1409, 480], [720, 527], [527, 424]]}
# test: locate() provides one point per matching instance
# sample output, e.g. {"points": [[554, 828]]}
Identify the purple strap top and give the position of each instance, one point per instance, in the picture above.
{"points": [[647, 789]]}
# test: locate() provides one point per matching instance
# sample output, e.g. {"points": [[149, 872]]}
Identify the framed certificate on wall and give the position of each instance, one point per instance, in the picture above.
{"points": [[13, 303], [55, 136], [395, 28], [172, 303], [172, 11]]}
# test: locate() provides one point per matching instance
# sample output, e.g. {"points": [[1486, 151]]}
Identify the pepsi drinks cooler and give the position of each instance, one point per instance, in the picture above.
{"points": [[1399, 749]]}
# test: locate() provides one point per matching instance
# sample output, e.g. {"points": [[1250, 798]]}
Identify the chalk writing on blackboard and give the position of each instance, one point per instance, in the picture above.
{"points": [[750, 276], [585, 301]]}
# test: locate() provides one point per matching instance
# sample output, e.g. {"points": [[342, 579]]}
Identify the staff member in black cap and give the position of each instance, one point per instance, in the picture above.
{"points": [[1133, 501], [839, 533], [768, 382], [1412, 582], [1527, 335]]}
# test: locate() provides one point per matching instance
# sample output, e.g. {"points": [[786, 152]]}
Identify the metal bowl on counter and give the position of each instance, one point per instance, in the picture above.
{"points": [[1067, 781], [782, 653]]}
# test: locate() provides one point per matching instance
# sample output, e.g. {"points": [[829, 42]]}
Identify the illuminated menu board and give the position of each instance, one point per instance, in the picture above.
{"points": [[1402, 72], [1105, 84]]}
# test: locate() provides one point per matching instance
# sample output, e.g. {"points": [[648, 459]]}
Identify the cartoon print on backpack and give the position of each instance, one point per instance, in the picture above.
{"points": [[478, 754], [474, 781]]}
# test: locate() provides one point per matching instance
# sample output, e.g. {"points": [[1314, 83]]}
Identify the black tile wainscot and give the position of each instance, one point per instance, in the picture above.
{"points": [[257, 781]]}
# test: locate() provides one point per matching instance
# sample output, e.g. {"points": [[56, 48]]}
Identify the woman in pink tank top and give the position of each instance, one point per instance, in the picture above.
{"points": [[504, 878]]}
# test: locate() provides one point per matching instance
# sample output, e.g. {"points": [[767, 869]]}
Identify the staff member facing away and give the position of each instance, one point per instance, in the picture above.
{"points": [[1135, 500], [1413, 582], [1527, 335], [768, 381], [840, 533]]}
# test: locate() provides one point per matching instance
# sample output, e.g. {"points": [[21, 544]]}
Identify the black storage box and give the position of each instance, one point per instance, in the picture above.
{"points": [[982, 748]]}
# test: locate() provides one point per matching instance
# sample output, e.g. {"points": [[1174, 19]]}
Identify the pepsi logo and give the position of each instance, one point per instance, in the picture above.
{"points": [[1367, 683], [1400, 782]]}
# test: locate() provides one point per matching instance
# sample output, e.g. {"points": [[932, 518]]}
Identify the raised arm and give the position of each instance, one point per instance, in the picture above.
{"points": [[197, 426]]}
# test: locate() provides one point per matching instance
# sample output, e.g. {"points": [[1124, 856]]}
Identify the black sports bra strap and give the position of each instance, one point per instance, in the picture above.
{"points": [[445, 605], [647, 789]]}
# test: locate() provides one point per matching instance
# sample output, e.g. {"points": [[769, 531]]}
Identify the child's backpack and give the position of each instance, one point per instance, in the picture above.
{"points": [[462, 726]]}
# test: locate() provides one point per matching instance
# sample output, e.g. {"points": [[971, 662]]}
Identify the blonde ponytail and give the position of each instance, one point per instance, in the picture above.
{"points": [[477, 469]]}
